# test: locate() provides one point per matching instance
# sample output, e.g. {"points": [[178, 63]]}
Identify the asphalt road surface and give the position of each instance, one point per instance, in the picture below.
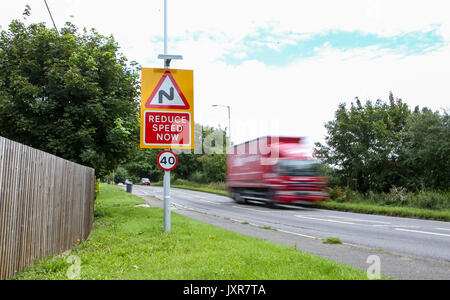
{"points": [[418, 238]]}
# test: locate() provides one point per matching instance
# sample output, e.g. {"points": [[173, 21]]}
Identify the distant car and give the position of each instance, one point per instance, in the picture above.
{"points": [[145, 181]]}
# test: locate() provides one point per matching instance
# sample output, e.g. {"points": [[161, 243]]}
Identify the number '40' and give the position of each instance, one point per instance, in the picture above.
{"points": [[170, 160]]}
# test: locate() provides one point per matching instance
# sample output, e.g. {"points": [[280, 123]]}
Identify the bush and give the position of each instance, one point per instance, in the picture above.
{"points": [[349, 195], [429, 200], [397, 195], [121, 175], [213, 167], [336, 193], [199, 177]]}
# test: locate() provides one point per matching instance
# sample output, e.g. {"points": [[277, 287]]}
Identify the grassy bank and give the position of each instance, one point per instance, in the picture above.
{"points": [[407, 212], [423, 205], [431, 205], [128, 242]]}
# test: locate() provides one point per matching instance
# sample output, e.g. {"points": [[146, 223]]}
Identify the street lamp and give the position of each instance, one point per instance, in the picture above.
{"points": [[229, 119]]}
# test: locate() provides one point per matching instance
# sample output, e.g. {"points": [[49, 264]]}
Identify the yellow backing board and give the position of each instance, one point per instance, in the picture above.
{"points": [[167, 94]]}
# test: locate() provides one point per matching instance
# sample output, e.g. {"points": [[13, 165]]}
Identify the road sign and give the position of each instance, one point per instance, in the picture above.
{"points": [[167, 109], [163, 128], [167, 160]]}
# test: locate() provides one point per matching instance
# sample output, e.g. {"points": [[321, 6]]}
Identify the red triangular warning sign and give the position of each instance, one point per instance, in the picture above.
{"points": [[167, 94]]}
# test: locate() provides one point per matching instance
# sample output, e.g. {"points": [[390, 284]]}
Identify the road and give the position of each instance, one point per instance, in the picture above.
{"points": [[423, 238]]}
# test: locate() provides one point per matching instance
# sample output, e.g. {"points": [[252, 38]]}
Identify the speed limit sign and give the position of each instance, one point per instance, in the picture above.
{"points": [[167, 160]]}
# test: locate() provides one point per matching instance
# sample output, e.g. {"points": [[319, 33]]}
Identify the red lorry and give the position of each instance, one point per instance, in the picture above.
{"points": [[273, 170]]}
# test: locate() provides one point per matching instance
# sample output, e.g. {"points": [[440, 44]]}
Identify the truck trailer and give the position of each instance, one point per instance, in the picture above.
{"points": [[275, 169]]}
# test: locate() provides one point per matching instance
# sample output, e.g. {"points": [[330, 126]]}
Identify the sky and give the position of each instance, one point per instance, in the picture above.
{"points": [[282, 66]]}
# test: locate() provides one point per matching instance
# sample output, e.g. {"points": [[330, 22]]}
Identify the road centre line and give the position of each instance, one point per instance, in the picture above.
{"points": [[264, 211], [193, 196], [439, 228], [203, 200], [424, 232], [326, 220], [396, 226], [362, 220], [351, 223], [215, 199]]}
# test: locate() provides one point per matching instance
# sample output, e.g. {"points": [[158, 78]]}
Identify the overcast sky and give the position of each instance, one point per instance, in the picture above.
{"points": [[283, 66]]}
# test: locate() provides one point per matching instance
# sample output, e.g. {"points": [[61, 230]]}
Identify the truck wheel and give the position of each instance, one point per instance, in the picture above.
{"points": [[238, 198], [270, 202]]}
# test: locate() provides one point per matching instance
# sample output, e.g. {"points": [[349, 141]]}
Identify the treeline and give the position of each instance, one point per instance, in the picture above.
{"points": [[377, 146], [205, 164], [71, 93]]}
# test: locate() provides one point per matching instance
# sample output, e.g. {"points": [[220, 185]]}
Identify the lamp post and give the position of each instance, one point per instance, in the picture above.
{"points": [[229, 119]]}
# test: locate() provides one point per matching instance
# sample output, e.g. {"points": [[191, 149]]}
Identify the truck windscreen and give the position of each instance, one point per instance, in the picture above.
{"points": [[292, 167]]}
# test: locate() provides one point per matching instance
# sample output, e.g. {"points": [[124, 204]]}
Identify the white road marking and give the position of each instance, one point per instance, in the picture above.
{"points": [[395, 226], [236, 220], [264, 211], [299, 234], [195, 197], [439, 228], [180, 206], [326, 220], [361, 220], [424, 232], [208, 201], [215, 199]]}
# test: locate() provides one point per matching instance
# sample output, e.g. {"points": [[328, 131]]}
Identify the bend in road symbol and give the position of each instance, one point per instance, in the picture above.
{"points": [[167, 94], [167, 160]]}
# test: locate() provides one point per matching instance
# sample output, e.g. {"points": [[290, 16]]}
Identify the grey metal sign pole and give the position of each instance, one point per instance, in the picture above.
{"points": [[167, 58], [167, 221]]}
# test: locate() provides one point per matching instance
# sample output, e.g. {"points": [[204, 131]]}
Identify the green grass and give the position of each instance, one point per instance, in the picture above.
{"points": [[397, 211], [409, 205], [128, 242], [267, 227], [332, 240]]}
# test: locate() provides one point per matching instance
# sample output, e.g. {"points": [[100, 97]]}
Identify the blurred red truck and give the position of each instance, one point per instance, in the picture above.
{"points": [[273, 170]]}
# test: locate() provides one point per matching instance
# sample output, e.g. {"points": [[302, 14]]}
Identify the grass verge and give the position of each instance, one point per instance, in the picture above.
{"points": [[332, 240], [395, 211], [358, 207], [128, 242]]}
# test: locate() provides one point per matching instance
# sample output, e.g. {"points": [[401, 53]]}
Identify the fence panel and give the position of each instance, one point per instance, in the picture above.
{"points": [[46, 205]]}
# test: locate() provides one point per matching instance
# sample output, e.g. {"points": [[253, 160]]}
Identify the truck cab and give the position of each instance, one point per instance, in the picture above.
{"points": [[299, 181]]}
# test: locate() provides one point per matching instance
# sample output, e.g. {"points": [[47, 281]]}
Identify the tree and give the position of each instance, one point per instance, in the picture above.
{"points": [[71, 94], [214, 167], [363, 144], [143, 165], [425, 151]]}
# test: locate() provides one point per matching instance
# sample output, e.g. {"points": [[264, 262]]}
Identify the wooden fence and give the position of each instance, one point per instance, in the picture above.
{"points": [[46, 205]]}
